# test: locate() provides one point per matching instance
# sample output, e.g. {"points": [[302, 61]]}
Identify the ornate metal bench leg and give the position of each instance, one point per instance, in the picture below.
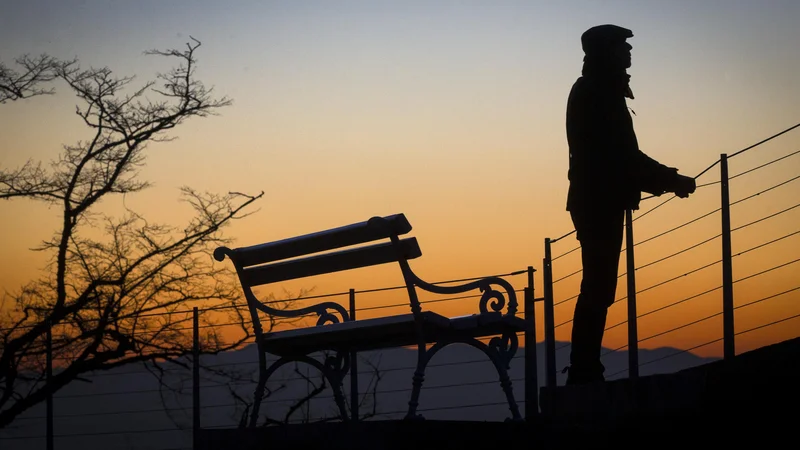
{"points": [[424, 356], [263, 375], [417, 380], [258, 395], [338, 397], [501, 351], [416, 384], [505, 383], [335, 369]]}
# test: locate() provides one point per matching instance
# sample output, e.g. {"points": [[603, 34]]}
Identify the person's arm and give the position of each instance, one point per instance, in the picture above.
{"points": [[650, 175], [656, 178]]}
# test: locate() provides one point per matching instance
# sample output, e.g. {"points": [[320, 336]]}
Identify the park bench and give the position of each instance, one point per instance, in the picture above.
{"points": [[338, 335]]}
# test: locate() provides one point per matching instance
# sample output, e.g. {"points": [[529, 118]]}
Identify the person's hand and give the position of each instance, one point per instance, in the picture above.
{"points": [[684, 186]]}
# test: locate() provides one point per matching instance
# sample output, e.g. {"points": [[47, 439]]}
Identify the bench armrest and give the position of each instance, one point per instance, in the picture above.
{"points": [[492, 298], [324, 311]]}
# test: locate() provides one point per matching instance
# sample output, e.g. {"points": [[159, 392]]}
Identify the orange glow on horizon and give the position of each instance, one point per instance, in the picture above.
{"points": [[454, 116]]}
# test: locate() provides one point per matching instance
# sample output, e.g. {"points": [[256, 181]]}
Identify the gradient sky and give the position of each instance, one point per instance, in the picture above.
{"points": [[451, 112]]}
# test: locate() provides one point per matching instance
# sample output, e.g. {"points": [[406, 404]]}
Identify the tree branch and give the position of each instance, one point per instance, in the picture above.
{"points": [[17, 85]]}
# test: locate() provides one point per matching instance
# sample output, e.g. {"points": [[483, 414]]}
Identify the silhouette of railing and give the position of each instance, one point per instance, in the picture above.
{"points": [[343, 298], [202, 381], [726, 262]]}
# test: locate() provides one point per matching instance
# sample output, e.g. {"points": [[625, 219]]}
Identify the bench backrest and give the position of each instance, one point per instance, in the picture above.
{"points": [[272, 262], [357, 233]]}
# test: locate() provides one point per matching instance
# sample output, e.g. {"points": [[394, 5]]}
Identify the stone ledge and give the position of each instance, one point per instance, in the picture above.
{"points": [[765, 378]]}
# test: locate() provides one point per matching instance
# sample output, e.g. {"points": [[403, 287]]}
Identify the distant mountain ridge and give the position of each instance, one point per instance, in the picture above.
{"points": [[458, 378]]}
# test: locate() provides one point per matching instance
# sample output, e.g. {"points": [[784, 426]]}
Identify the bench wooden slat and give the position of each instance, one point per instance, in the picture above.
{"points": [[357, 233], [327, 263], [359, 335], [388, 332]]}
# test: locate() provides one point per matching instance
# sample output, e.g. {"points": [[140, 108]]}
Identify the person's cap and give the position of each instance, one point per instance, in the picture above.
{"points": [[602, 37]]}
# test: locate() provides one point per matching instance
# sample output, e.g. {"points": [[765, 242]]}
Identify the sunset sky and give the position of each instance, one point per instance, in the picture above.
{"points": [[451, 112]]}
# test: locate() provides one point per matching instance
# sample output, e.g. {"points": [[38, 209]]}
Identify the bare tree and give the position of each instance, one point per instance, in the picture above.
{"points": [[116, 290], [16, 85]]}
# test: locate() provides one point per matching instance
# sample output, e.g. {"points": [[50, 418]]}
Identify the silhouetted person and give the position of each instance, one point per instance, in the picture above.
{"points": [[607, 174]]}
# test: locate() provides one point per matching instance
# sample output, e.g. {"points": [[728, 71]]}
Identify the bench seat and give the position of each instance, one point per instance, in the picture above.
{"points": [[487, 324], [386, 332]]}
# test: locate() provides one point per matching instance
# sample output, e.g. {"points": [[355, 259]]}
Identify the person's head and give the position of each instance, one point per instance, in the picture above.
{"points": [[608, 43]]}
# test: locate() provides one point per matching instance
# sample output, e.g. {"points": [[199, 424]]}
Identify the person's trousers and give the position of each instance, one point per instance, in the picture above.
{"points": [[600, 235]]}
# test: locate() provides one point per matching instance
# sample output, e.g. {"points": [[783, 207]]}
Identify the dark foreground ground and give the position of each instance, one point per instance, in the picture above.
{"points": [[751, 400]]}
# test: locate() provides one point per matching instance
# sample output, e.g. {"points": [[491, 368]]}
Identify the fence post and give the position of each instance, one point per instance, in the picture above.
{"points": [[531, 375], [729, 348], [633, 332], [549, 319], [353, 365], [195, 377], [49, 380]]}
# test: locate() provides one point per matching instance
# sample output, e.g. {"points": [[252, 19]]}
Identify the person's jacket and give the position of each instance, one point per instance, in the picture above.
{"points": [[607, 170]]}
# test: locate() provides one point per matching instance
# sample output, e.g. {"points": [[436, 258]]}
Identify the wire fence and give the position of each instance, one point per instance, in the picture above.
{"points": [[130, 408], [112, 396]]}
